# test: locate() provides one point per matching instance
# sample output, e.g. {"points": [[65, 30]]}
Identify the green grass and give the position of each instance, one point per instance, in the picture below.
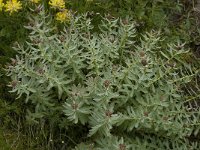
{"points": [[8, 140]]}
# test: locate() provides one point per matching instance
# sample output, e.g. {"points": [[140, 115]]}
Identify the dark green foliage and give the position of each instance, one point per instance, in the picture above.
{"points": [[152, 13]]}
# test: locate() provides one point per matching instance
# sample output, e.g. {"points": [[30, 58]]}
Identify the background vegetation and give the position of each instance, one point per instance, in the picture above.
{"points": [[177, 20]]}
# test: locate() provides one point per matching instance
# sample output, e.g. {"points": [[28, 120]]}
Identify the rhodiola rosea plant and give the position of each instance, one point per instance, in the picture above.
{"points": [[125, 88]]}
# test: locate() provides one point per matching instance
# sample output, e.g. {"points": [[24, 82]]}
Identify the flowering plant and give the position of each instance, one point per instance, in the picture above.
{"points": [[11, 6], [119, 85], [62, 15]]}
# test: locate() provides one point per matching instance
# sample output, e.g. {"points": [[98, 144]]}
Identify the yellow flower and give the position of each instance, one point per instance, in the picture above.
{"points": [[57, 3], [35, 1], [1, 5], [13, 6], [63, 16]]}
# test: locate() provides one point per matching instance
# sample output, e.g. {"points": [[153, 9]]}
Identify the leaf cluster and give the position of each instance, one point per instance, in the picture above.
{"points": [[118, 83]]}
